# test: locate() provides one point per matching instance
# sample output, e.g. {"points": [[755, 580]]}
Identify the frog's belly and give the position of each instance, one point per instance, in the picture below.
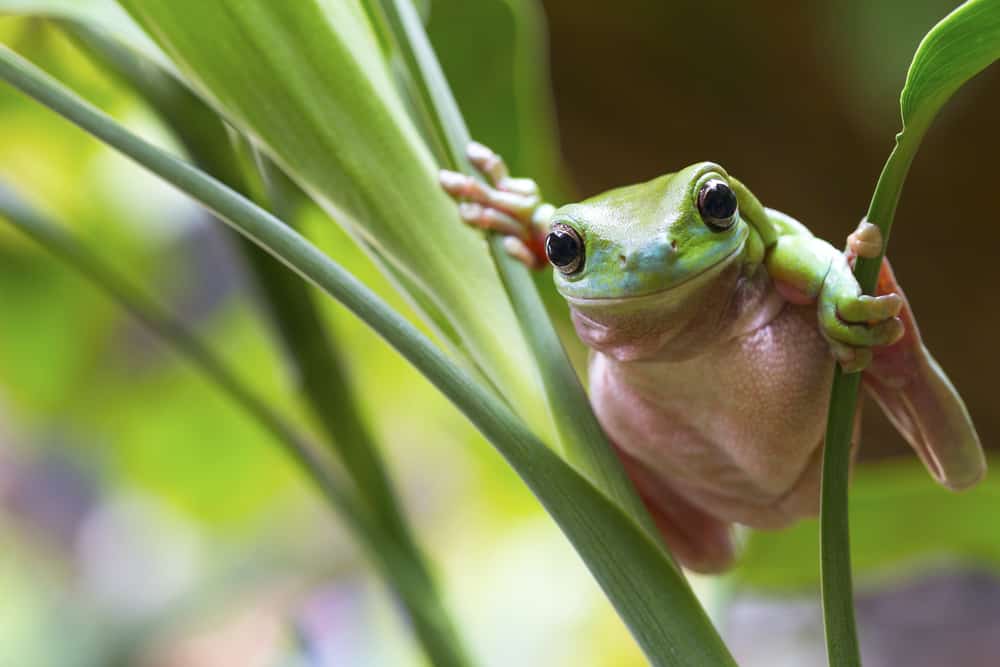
{"points": [[736, 431]]}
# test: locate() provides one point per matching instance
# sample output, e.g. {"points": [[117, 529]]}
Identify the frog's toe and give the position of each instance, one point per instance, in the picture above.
{"points": [[494, 169], [490, 219], [865, 241], [487, 162], [865, 308], [885, 332], [522, 186], [520, 251], [851, 359], [518, 206]]}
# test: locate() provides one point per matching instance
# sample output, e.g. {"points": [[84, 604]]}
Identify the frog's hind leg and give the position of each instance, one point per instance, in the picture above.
{"points": [[919, 400], [699, 541]]}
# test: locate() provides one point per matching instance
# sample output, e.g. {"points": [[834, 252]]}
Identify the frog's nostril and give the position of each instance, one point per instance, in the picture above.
{"points": [[673, 244], [622, 260]]}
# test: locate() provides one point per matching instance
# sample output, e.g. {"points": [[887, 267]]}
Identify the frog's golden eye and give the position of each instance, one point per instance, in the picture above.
{"points": [[717, 204], [565, 248]]}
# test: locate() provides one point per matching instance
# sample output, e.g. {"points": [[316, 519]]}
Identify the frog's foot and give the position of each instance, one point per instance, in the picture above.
{"points": [[853, 322], [511, 207], [865, 241], [855, 327]]}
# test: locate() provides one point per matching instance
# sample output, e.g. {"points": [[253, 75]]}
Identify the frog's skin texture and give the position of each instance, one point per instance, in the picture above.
{"points": [[714, 347]]}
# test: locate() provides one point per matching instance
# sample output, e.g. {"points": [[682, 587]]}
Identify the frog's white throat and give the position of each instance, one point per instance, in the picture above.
{"points": [[681, 322]]}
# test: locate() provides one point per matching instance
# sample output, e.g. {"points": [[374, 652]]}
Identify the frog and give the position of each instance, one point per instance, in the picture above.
{"points": [[714, 325]]}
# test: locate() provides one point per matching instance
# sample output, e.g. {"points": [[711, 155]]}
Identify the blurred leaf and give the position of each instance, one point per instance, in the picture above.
{"points": [[50, 332], [304, 338], [176, 333], [867, 61], [102, 14], [899, 522], [642, 581], [495, 57]]}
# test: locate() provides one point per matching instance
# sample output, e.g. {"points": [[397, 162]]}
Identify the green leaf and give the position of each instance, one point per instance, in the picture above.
{"points": [[305, 339], [900, 524], [960, 46], [307, 80], [577, 427], [636, 573], [97, 14], [59, 242], [963, 44]]}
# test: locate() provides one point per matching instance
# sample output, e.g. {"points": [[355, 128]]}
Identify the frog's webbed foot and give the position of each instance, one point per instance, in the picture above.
{"points": [[512, 207], [853, 322]]}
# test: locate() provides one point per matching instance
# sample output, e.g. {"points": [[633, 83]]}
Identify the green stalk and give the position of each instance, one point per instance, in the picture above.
{"points": [[835, 549], [305, 338], [960, 46], [651, 596], [578, 429], [325, 386]]}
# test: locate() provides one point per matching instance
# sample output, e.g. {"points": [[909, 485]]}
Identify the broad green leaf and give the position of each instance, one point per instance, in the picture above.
{"points": [[308, 81], [98, 14], [107, 32], [304, 337]]}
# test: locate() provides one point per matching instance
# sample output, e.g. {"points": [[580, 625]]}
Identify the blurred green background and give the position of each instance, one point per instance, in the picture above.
{"points": [[144, 520]]}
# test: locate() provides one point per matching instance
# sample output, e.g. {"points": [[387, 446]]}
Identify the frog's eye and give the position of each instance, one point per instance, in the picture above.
{"points": [[564, 248], [717, 204]]}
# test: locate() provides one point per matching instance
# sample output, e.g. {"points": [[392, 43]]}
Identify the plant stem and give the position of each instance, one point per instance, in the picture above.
{"points": [[326, 388], [578, 428], [306, 341], [652, 597], [835, 550]]}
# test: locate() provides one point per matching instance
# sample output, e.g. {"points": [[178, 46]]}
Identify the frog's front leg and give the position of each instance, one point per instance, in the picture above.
{"points": [[512, 207], [808, 269]]}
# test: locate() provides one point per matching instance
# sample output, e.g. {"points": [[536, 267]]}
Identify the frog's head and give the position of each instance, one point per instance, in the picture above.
{"points": [[640, 264]]}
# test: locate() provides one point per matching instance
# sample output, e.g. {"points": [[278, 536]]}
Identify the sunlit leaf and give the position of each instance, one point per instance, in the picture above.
{"points": [[98, 14], [308, 80]]}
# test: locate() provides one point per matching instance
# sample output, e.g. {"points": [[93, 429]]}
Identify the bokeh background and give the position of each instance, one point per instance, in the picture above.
{"points": [[145, 521]]}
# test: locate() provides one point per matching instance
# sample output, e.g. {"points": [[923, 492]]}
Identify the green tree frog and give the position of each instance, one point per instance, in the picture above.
{"points": [[714, 325]]}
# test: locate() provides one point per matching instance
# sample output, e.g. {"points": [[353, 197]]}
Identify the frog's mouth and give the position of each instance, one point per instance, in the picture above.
{"points": [[665, 297]]}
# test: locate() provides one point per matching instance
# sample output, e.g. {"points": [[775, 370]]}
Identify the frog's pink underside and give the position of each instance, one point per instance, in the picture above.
{"points": [[735, 436]]}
